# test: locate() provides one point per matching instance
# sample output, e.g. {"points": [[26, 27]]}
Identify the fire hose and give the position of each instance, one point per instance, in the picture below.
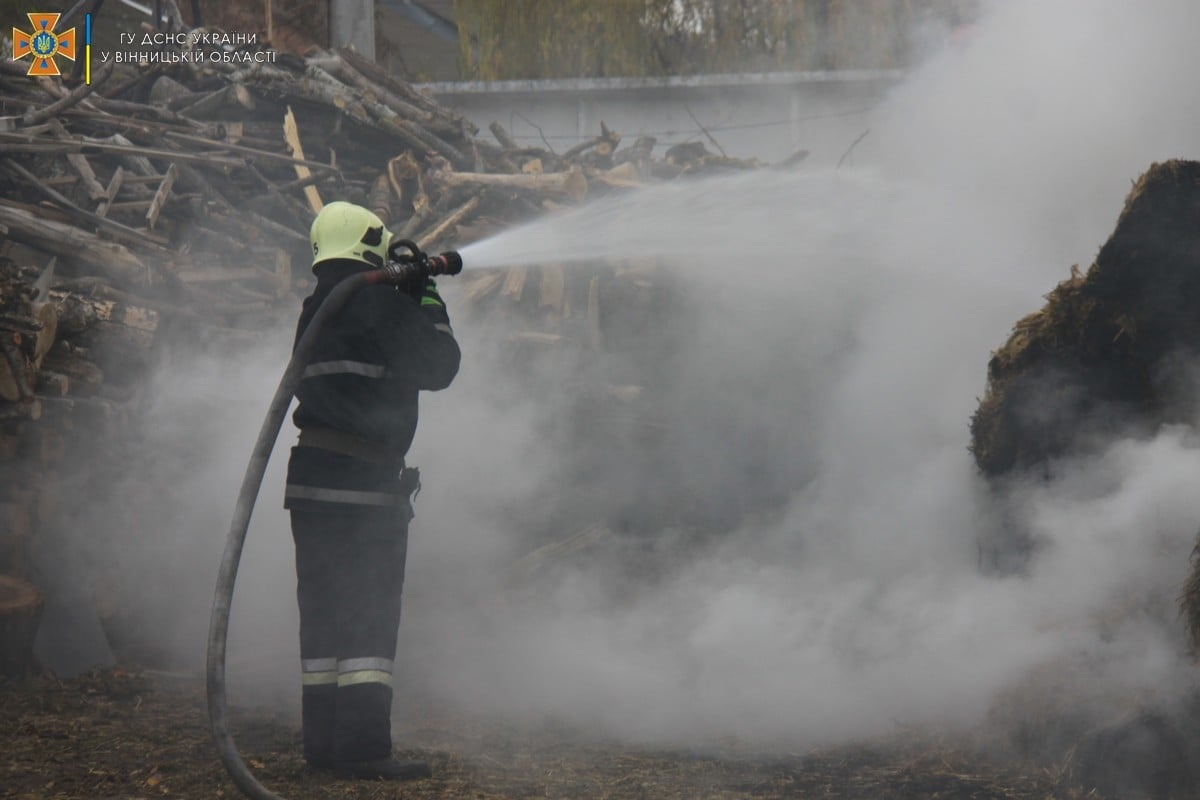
{"points": [[402, 269]]}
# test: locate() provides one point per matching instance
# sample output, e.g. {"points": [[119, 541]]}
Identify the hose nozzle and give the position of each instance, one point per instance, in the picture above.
{"points": [[447, 263], [415, 265]]}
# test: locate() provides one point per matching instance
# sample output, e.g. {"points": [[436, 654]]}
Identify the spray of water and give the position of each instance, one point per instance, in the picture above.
{"points": [[842, 322], [824, 365]]}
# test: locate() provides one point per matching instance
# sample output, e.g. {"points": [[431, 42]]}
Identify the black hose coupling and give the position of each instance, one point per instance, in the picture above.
{"points": [[447, 263], [414, 266]]}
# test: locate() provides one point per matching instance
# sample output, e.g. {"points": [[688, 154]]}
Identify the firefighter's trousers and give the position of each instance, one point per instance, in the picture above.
{"points": [[350, 573]]}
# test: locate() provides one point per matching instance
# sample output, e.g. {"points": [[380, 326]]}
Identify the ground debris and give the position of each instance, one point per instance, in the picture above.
{"points": [[122, 733]]}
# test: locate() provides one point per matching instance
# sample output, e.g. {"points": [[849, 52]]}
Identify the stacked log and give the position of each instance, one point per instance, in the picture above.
{"points": [[166, 197], [20, 610], [70, 376], [158, 169]]}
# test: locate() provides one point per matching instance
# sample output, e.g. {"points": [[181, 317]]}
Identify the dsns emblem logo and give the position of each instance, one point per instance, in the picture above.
{"points": [[44, 44]]}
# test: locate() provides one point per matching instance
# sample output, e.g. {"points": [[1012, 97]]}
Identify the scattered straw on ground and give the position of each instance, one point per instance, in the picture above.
{"points": [[129, 735]]}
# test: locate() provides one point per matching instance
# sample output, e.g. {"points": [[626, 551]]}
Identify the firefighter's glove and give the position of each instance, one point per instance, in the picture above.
{"points": [[427, 293], [432, 303]]}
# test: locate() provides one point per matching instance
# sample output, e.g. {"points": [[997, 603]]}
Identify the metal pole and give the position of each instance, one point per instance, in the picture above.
{"points": [[352, 22]]}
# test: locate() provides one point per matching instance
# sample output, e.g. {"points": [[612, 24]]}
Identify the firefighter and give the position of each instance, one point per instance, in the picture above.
{"points": [[349, 491]]}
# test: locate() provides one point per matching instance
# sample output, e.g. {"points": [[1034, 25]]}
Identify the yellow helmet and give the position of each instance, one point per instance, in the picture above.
{"points": [[344, 230]]}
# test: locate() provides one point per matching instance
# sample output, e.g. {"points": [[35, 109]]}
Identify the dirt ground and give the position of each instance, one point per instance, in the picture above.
{"points": [[126, 734]]}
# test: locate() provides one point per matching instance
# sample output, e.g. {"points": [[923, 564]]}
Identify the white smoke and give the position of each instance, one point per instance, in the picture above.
{"points": [[860, 306], [842, 320]]}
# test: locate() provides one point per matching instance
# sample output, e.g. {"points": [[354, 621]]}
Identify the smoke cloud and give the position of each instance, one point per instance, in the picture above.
{"points": [[816, 385], [843, 323]]}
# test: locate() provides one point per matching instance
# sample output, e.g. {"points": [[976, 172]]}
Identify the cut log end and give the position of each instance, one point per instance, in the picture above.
{"points": [[20, 613]]}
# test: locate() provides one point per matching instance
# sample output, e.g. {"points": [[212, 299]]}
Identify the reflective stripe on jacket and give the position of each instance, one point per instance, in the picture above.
{"points": [[362, 380]]}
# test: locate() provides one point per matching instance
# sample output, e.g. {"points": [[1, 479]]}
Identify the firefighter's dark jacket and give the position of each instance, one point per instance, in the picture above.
{"points": [[362, 380]]}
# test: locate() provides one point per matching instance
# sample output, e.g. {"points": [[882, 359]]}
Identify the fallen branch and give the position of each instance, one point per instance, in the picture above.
{"points": [[341, 69], [604, 144], [251, 151], [380, 76], [72, 98], [431, 236], [503, 136]]}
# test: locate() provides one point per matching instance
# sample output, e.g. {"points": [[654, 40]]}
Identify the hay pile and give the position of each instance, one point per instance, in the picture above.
{"points": [[1105, 355], [1112, 352]]}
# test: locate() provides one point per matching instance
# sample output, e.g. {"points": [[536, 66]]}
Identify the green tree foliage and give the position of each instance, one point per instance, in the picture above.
{"points": [[508, 39]]}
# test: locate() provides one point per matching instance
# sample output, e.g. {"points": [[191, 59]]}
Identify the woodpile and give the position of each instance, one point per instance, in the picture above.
{"points": [[173, 200]]}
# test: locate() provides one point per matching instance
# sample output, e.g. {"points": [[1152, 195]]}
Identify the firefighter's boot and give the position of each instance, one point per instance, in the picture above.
{"points": [[388, 769]]}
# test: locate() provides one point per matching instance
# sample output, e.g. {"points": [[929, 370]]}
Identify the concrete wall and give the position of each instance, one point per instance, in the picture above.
{"points": [[766, 116]]}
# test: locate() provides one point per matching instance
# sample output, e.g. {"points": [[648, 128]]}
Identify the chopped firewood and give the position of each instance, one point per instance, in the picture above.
{"points": [[502, 136], [571, 184], [78, 313], [234, 97], [84, 376], [160, 196], [115, 229], [379, 200], [20, 608], [603, 145], [514, 282], [438, 231], [121, 351], [481, 285], [31, 411], [593, 313], [685, 153], [79, 163], [638, 153], [623, 176], [171, 93], [53, 383], [71, 243], [553, 289], [292, 134], [449, 120], [535, 337], [337, 66], [16, 371], [68, 100], [171, 201]]}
